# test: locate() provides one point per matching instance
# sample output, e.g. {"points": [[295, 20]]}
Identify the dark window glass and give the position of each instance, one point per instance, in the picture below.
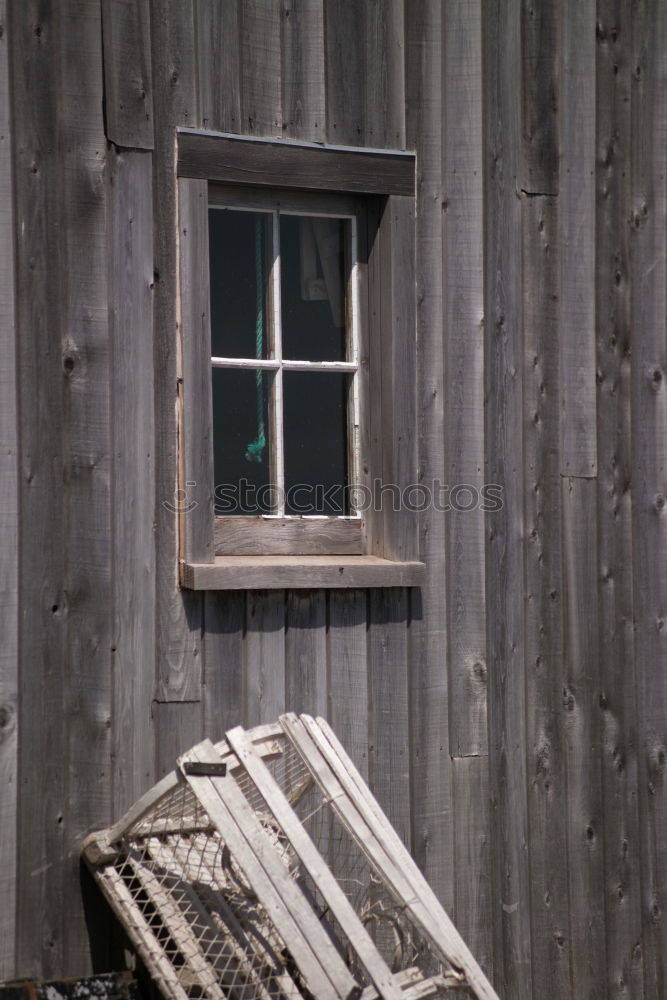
{"points": [[312, 279], [239, 260], [315, 427], [241, 462]]}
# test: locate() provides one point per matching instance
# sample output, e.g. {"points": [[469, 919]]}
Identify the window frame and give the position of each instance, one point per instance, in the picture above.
{"points": [[380, 185]]}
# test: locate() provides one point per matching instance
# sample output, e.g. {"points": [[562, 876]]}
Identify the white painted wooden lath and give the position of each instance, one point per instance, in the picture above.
{"points": [[264, 869]]}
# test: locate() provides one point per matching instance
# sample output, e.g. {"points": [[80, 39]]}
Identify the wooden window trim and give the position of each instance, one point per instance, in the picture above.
{"points": [[389, 540]]}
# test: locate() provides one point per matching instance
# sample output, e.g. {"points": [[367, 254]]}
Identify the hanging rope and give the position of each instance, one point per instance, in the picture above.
{"points": [[256, 447]]}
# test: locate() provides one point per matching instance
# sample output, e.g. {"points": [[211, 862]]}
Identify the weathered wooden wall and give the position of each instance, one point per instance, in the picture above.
{"points": [[511, 715]]}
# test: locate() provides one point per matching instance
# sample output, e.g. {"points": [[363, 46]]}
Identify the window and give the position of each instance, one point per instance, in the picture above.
{"points": [[298, 363]]}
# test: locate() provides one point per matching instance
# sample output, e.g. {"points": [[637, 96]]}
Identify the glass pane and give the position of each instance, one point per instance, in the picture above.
{"points": [[241, 462], [312, 281], [315, 429], [238, 261]]}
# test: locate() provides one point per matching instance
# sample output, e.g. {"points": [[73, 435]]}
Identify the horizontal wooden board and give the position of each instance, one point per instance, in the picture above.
{"points": [[299, 572], [250, 536], [280, 163]]}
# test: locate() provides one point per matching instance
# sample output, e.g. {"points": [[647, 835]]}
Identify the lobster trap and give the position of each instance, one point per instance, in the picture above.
{"points": [[263, 869]]}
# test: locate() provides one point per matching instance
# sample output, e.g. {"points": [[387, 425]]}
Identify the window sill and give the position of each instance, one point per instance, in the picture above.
{"points": [[299, 572]]}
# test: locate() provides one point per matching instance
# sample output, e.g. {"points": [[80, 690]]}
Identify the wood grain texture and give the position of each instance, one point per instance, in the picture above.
{"points": [[265, 670], [224, 629], [301, 572], [178, 726], [472, 864], [257, 536], [432, 818], [306, 652], [540, 91], [388, 724], [261, 77], [344, 44], [547, 790], [648, 220], [463, 295], [582, 736], [505, 528], [179, 614], [347, 708], [384, 74], [128, 91], [9, 472], [302, 59], [218, 43], [130, 260], [618, 678], [577, 241]]}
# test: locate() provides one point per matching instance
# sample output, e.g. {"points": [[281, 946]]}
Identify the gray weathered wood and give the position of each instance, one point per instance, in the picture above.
{"points": [[9, 623], [259, 536], [261, 104], [224, 669], [472, 859], [577, 240], [618, 676], [648, 220], [384, 73], [582, 734], [265, 656], [348, 672], [128, 92], [130, 257], [505, 528], [431, 767], [269, 163], [179, 614], [300, 572], [219, 64], [178, 724], [306, 652], [196, 515], [344, 42], [303, 96], [540, 89], [463, 295]]}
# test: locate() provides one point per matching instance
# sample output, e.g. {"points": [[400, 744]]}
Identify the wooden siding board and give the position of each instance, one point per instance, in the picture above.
{"points": [[505, 528], [547, 791], [265, 668], [261, 76], [384, 74], [463, 294], [178, 726], [224, 634], [219, 64], [128, 92], [648, 220], [472, 892], [303, 97], [344, 44], [178, 614], [577, 208], [618, 678], [9, 472], [130, 262], [306, 652], [347, 709], [431, 786], [540, 94]]}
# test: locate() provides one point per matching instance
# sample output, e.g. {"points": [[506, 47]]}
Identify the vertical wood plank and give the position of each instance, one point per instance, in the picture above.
{"points": [[581, 693], [505, 528], [179, 613], [618, 678], [130, 261], [261, 79], [86, 667], [649, 472], [128, 91], [432, 820], [219, 64], [577, 208], [9, 624], [306, 652], [304, 115], [224, 626], [348, 673], [472, 900], [264, 656], [463, 295], [178, 726], [344, 43], [38, 173], [388, 724], [384, 72]]}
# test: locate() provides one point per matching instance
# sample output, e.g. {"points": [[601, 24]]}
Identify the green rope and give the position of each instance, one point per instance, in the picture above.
{"points": [[256, 447]]}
